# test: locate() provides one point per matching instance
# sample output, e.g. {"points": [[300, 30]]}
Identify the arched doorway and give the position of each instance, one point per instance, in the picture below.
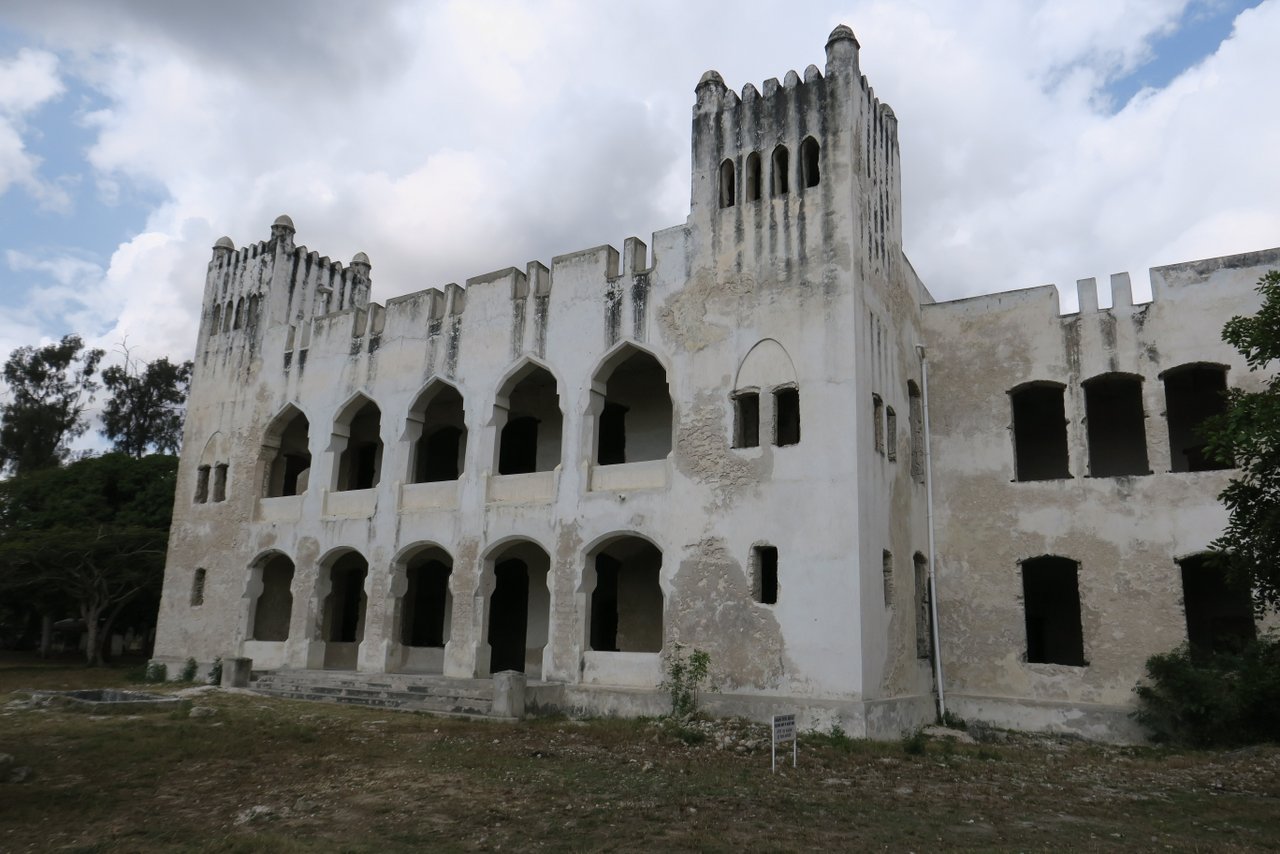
{"points": [[518, 609], [343, 610]]}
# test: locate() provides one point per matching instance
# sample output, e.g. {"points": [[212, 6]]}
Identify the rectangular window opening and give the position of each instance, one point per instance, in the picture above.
{"points": [[220, 482], [891, 433], [1191, 395], [202, 485], [765, 560], [924, 612], [916, 416], [1219, 614], [1051, 598], [197, 588], [886, 563], [786, 416], [1117, 426], [877, 412], [1039, 433], [746, 420]]}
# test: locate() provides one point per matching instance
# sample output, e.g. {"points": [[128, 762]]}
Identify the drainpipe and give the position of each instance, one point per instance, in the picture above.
{"points": [[933, 554]]}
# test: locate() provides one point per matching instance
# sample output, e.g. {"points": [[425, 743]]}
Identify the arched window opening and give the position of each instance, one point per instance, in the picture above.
{"points": [[809, 161], [1116, 425], [752, 177], [626, 604], [288, 454], [924, 612], [1039, 432], [530, 437], [441, 445], [215, 324], [915, 413], [428, 604], [228, 311], [1192, 394], [1051, 599], [786, 416], [727, 189], [344, 607], [1219, 613], [519, 609], [781, 165], [239, 321], [274, 606], [636, 421], [360, 460]]}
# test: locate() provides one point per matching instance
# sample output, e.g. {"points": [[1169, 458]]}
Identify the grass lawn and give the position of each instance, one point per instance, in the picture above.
{"points": [[260, 774]]}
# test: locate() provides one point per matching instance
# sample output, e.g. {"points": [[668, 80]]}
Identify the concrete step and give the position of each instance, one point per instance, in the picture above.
{"points": [[407, 692], [434, 705]]}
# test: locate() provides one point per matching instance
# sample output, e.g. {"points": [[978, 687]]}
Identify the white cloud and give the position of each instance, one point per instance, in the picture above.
{"points": [[28, 80], [450, 139]]}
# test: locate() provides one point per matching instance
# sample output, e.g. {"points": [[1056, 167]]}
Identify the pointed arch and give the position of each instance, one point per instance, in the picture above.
{"points": [[780, 166], [357, 444], [528, 419], [286, 453], [809, 153], [728, 190], [436, 431], [751, 177], [766, 391], [270, 595], [631, 413], [621, 583], [516, 612]]}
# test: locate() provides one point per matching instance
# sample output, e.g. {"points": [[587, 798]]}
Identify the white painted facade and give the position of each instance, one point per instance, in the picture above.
{"points": [[560, 475]]}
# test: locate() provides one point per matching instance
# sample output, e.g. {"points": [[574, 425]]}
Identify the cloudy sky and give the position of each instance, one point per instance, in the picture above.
{"points": [[1041, 141]]}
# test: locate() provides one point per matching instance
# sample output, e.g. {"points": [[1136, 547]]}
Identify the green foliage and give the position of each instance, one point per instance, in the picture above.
{"points": [[215, 672], [49, 388], [1214, 700], [914, 744], [91, 535], [156, 672], [686, 677], [836, 738], [1248, 435], [188, 672], [953, 721], [145, 409]]}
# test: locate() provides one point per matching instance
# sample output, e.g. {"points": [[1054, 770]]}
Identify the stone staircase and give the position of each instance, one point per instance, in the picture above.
{"points": [[438, 695]]}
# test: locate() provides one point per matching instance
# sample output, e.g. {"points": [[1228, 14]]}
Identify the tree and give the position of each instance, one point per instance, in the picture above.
{"points": [[145, 409], [49, 388], [1248, 435], [92, 534]]}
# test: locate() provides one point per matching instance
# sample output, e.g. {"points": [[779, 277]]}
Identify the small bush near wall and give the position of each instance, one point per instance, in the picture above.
{"points": [[1213, 700]]}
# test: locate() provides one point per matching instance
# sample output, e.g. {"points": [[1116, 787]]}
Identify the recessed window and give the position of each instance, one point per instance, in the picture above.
{"points": [[877, 414], [1051, 598], [726, 184], [924, 613], [886, 569], [1117, 426], [781, 165], [764, 575], [753, 177], [220, 482], [1219, 613], [809, 161], [786, 416], [1039, 432], [916, 415], [1193, 393], [746, 420], [202, 485], [891, 433], [197, 588]]}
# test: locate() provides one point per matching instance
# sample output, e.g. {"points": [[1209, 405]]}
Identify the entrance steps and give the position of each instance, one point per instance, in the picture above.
{"points": [[409, 692]]}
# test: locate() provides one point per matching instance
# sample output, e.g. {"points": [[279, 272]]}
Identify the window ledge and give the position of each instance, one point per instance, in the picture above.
{"points": [[435, 495], [534, 488], [351, 503], [283, 508]]}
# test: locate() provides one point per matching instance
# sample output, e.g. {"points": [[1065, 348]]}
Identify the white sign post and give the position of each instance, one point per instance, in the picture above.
{"points": [[784, 730]]}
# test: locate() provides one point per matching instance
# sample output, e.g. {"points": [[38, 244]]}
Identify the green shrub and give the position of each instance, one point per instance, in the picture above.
{"points": [[1212, 700], [215, 672], [156, 672], [188, 672], [914, 744], [686, 677]]}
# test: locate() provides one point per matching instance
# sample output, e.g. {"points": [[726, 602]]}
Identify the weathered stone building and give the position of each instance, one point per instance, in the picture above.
{"points": [[758, 438]]}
